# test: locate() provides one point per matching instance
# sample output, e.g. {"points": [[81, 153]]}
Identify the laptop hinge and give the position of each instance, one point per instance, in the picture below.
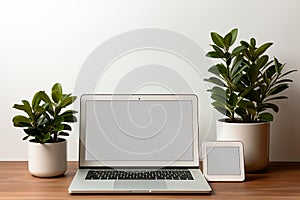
{"points": [[138, 167]]}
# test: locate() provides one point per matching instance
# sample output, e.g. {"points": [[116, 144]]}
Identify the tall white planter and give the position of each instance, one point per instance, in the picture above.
{"points": [[47, 160], [254, 136]]}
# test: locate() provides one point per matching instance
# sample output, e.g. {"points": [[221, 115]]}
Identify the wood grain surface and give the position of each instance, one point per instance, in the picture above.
{"points": [[279, 181]]}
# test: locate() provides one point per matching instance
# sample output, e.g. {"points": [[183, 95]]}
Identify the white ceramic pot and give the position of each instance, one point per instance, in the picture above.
{"points": [[255, 138], [47, 160]]}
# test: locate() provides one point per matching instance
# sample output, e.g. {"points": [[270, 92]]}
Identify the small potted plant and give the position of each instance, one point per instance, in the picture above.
{"points": [[44, 123], [247, 84]]}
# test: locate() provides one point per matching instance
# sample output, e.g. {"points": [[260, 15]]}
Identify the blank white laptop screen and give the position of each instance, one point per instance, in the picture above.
{"points": [[139, 130]]}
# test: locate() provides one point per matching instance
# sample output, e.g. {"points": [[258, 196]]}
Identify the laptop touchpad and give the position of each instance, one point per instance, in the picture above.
{"points": [[131, 185]]}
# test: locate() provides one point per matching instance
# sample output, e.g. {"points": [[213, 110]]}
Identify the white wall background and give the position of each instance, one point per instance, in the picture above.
{"points": [[43, 42]]}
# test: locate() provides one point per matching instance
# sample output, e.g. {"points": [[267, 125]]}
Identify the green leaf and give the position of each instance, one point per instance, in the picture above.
{"points": [[213, 54], [245, 92], [62, 133], [41, 121], [217, 39], [240, 111], [227, 40], [262, 61], [217, 90], [236, 79], [265, 117], [220, 99], [265, 106], [284, 81], [31, 131], [68, 112], [57, 110], [237, 68], [238, 50], [267, 65], [277, 89], [266, 79], [222, 69], [253, 73], [240, 87], [45, 138], [218, 70], [21, 121], [214, 70], [67, 101], [247, 54], [238, 74], [221, 108], [49, 109], [270, 71], [59, 127], [40, 109], [274, 107], [260, 50], [56, 92], [234, 34], [26, 108], [245, 44], [252, 42], [36, 100], [287, 73], [215, 81], [254, 95], [67, 127], [19, 107], [66, 95], [58, 120], [233, 99], [70, 118], [276, 98], [222, 111], [45, 97], [248, 105], [278, 66], [263, 89], [26, 137], [218, 50]]}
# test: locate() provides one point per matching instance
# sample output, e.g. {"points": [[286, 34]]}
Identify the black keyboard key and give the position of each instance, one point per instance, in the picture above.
{"points": [[139, 175], [89, 176], [92, 175]]}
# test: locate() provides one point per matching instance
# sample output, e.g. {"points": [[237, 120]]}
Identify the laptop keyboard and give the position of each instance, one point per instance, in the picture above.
{"points": [[182, 174]]}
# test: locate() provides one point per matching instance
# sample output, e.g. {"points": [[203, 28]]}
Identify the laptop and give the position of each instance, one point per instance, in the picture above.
{"points": [[138, 143]]}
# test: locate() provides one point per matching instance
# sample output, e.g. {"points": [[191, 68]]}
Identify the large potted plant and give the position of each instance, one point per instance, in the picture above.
{"points": [[247, 84], [45, 122]]}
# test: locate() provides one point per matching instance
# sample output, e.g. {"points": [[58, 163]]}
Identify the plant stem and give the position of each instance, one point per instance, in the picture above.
{"points": [[55, 137]]}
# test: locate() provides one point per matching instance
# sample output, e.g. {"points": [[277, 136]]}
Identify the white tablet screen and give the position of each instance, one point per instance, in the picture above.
{"points": [[223, 160]]}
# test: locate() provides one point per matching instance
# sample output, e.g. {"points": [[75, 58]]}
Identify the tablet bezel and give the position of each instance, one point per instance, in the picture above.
{"points": [[224, 177]]}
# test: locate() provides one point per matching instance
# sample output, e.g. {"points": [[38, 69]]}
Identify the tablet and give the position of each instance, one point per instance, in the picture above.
{"points": [[223, 161]]}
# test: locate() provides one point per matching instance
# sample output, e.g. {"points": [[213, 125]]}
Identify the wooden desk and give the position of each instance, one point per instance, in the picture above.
{"points": [[281, 180]]}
